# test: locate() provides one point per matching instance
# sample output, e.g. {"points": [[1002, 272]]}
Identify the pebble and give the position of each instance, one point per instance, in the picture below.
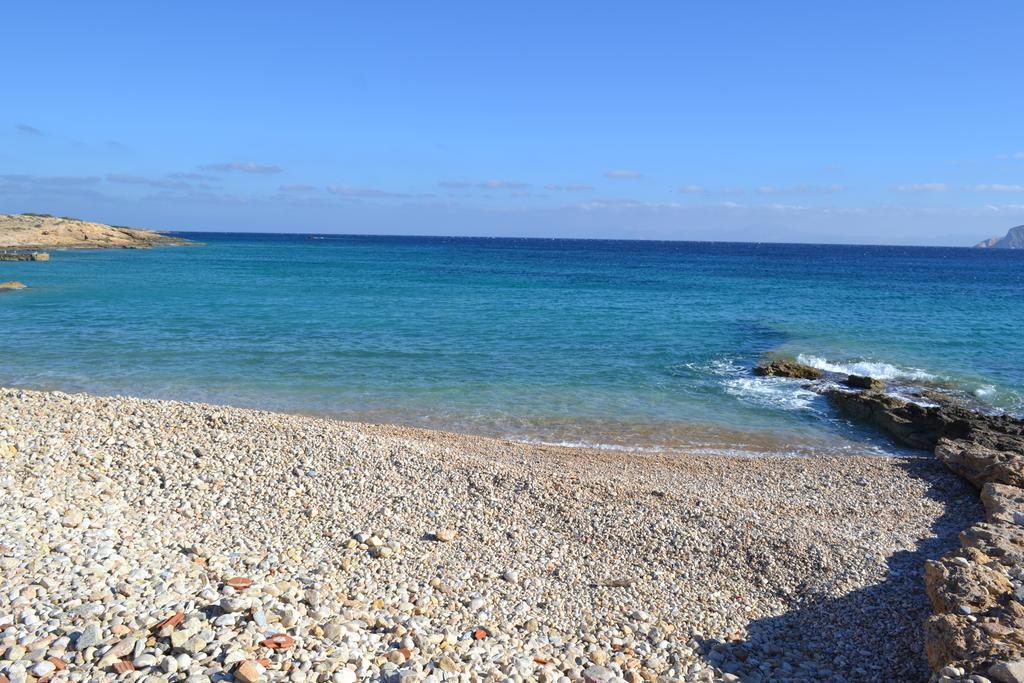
{"points": [[121, 513], [250, 672], [89, 637]]}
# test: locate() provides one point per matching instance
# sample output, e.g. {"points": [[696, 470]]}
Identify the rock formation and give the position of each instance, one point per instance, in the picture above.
{"points": [[33, 231], [787, 368], [977, 629], [1014, 239], [24, 256], [862, 382]]}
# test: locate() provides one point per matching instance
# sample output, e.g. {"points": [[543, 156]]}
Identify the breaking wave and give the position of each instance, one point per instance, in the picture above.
{"points": [[772, 392], [875, 369]]}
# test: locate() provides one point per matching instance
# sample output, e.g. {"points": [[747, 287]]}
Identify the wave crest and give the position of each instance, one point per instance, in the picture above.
{"points": [[877, 370]]}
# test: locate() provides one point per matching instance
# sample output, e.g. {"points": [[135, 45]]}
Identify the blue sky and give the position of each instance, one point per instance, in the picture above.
{"points": [[874, 122]]}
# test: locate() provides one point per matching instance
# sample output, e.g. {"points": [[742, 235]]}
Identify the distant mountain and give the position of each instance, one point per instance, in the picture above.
{"points": [[1014, 240]]}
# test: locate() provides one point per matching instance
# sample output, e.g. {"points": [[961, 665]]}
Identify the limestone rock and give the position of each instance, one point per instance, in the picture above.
{"points": [[1007, 672], [787, 368], [862, 382], [951, 638], [923, 427], [953, 584], [24, 231], [1003, 503], [1004, 542], [980, 464], [908, 423]]}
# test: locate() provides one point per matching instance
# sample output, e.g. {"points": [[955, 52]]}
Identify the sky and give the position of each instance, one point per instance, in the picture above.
{"points": [[872, 122]]}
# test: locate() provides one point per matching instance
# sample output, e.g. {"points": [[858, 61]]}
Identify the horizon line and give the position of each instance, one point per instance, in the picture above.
{"points": [[326, 235]]}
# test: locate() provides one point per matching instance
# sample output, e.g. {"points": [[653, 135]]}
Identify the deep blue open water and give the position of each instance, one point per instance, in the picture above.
{"points": [[618, 343]]}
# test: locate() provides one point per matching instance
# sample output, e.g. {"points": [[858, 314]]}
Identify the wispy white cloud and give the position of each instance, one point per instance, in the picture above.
{"points": [[191, 176], [169, 184], [26, 129], [371, 193], [295, 188], [127, 179], [50, 181], [242, 167], [163, 183], [923, 187], [486, 185], [620, 174], [693, 189], [502, 185], [572, 187], [997, 187], [800, 189], [1018, 156]]}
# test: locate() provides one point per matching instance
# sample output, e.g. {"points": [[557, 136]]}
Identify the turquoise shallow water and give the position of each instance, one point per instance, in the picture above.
{"points": [[625, 344]]}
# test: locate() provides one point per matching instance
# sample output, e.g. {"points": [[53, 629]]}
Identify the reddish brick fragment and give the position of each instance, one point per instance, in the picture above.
{"points": [[123, 666], [278, 641], [170, 622], [239, 582]]}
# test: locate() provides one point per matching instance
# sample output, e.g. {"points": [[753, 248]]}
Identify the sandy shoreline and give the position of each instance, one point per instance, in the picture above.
{"points": [[120, 512]]}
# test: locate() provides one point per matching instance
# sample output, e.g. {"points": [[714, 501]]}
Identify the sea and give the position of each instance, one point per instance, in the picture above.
{"points": [[629, 345]]}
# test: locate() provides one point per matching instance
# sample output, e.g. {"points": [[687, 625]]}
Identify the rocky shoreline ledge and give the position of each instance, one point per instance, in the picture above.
{"points": [[21, 234], [977, 591], [165, 541]]}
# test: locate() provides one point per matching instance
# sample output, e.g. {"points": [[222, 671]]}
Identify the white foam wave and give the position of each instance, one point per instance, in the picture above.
{"points": [[589, 444], [721, 367], [771, 392], [878, 370], [985, 391]]}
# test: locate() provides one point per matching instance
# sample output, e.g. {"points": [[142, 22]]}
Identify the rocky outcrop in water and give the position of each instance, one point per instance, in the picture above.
{"points": [[862, 382], [908, 423], [12, 285], [923, 427], [976, 591], [787, 368], [24, 256]]}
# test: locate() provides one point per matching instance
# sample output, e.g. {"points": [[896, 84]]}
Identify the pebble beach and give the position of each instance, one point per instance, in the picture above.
{"points": [[165, 541]]}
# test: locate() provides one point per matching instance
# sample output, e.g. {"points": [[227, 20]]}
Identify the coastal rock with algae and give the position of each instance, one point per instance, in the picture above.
{"points": [[787, 368]]}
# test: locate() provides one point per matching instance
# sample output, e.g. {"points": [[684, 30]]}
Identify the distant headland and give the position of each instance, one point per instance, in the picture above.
{"points": [[1014, 239], [40, 231]]}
